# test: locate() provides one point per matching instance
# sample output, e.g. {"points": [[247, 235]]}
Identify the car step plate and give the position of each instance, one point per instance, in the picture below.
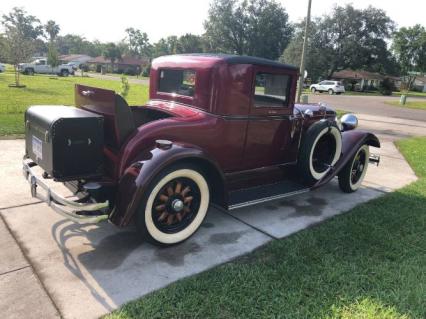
{"points": [[264, 193]]}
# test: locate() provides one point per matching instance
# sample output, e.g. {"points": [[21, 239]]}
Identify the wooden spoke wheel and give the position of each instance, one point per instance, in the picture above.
{"points": [[174, 206]]}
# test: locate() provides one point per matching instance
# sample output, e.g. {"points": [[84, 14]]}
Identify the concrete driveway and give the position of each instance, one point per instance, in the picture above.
{"points": [[51, 267]]}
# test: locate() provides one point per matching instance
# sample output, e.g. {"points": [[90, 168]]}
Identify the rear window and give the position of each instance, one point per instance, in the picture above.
{"points": [[181, 82], [272, 90]]}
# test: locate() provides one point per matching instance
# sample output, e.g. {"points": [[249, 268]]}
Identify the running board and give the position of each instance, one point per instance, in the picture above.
{"points": [[265, 193]]}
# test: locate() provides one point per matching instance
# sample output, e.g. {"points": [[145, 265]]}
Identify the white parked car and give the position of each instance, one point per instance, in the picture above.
{"points": [[42, 67], [332, 87], [2, 67]]}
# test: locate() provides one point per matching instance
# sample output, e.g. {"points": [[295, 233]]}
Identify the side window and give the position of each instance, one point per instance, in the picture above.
{"points": [[271, 90], [180, 82]]}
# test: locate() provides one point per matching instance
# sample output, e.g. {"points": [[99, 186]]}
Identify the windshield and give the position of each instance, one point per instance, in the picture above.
{"points": [[181, 82]]}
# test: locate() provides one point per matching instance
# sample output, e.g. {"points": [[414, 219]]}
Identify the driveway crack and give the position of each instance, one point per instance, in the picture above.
{"points": [[13, 270]]}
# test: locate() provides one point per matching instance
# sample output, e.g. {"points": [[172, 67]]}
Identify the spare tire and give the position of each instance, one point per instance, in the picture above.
{"points": [[320, 148]]}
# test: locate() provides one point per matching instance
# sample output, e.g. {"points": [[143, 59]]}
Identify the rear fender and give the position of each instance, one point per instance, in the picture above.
{"points": [[351, 142], [137, 177]]}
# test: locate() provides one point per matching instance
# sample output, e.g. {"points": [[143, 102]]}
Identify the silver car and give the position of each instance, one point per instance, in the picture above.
{"points": [[2, 67], [332, 87]]}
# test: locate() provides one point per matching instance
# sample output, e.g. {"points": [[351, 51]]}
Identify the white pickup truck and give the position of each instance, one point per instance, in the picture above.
{"points": [[41, 66]]}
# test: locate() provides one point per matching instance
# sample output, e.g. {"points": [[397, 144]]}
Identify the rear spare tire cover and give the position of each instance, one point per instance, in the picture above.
{"points": [[321, 148]]}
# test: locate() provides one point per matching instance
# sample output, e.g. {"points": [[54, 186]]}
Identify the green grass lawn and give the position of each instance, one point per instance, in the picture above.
{"points": [[420, 105], [368, 263], [42, 89]]}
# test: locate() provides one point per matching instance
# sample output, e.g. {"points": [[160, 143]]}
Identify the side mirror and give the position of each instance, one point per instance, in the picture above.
{"points": [[349, 122]]}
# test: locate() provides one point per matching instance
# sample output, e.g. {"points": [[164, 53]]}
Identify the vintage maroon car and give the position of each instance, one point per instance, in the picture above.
{"points": [[218, 130]]}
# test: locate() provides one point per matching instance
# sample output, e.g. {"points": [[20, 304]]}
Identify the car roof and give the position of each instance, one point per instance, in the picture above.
{"points": [[213, 58]]}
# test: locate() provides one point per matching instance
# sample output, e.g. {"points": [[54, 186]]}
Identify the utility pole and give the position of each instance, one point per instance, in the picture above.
{"points": [[305, 45]]}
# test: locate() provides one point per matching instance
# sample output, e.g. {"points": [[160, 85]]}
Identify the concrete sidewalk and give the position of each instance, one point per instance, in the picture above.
{"points": [[89, 270]]}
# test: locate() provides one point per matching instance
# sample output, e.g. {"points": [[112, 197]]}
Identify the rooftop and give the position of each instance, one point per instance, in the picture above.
{"points": [[228, 58], [357, 74], [126, 60], [73, 57]]}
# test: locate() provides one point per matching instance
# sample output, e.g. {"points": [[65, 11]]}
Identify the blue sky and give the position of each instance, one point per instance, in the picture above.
{"points": [[107, 20]]}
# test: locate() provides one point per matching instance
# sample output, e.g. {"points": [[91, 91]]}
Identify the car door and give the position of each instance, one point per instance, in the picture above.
{"points": [[42, 67], [322, 86], [270, 125]]}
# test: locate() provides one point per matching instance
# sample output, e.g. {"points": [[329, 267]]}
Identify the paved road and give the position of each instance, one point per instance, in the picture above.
{"points": [[372, 105]]}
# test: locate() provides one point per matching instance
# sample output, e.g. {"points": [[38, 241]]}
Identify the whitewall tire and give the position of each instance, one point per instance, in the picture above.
{"points": [[176, 204], [321, 148], [353, 173]]}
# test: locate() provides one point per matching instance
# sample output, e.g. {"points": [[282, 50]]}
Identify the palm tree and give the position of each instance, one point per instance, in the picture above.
{"points": [[52, 29]]}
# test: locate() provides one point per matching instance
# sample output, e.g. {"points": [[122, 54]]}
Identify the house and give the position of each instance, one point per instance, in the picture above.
{"points": [[359, 79], [75, 59], [420, 83], [127, 64]]}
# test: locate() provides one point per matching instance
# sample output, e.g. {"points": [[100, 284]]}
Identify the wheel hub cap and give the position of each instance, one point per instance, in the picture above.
{"points": [[177, 205]]}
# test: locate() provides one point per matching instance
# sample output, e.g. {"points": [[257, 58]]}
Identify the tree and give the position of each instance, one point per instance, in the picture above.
{"points": [[166, 46], [317, 63], [409, 47], [251, 27], [190, 43], [52, 29], [75, 44], [112, 52], [138, 43], [3, 48], [356, 38], [21, 31], [347, 38], [53, 56]]}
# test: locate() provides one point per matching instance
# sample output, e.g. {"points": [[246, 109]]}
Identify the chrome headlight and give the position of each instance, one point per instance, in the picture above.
{"points": [[349, 122]]}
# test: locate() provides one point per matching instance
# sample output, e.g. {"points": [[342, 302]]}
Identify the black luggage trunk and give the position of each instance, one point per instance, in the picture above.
{"points": [[65, 141]]}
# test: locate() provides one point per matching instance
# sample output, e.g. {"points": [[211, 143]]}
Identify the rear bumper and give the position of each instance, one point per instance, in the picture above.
{"points": [[78, 212], [374, 159]]}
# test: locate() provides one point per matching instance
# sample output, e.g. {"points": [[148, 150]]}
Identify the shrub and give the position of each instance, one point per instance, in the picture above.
{"points": [[146, 70], [125, 86], [372, 88], [129, 71], [386, 87]]}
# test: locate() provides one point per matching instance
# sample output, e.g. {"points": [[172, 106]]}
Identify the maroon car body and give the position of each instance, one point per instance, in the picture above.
{"points": [[214, 124]]}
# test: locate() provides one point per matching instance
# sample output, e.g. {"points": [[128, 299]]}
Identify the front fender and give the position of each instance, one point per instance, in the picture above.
{"points": [[138, 176], [351, 142]]}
